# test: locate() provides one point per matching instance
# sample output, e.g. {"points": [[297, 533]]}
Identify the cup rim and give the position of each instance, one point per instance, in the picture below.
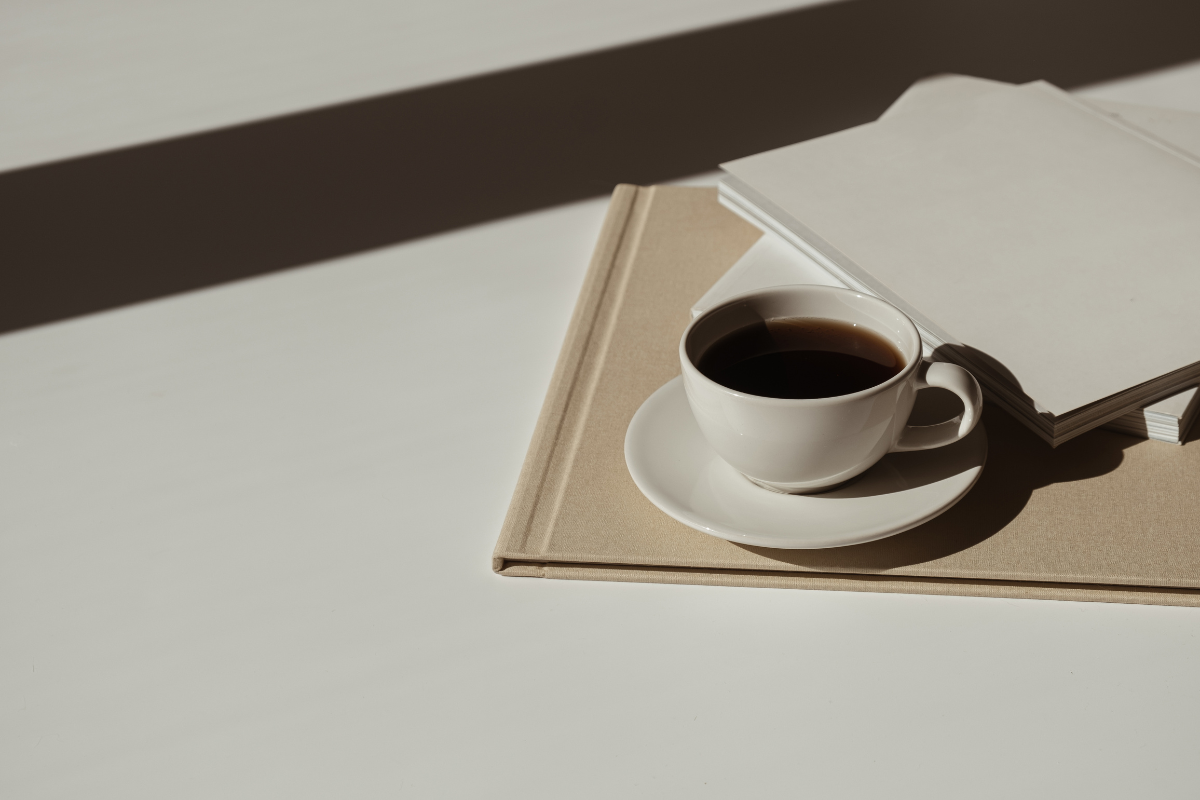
{"points": [[694, 373]]}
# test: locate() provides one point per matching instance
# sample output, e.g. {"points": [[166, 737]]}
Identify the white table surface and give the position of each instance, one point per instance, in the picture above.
{"points": [[245, 541]]}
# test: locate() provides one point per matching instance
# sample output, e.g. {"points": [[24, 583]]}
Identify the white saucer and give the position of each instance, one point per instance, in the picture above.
{"points": [[675, 468]]}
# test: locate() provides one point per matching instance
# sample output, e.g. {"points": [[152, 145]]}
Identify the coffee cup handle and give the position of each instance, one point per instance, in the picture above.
{"points": [[963, 384]]}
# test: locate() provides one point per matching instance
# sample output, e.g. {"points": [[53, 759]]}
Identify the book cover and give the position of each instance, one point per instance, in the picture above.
{"points": [[1069, 523]]}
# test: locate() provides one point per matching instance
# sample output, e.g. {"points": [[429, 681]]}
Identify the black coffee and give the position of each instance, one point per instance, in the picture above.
{"points": [[801, 357]]}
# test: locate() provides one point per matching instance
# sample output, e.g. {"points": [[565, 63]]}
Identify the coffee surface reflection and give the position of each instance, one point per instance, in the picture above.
{"points": [[801, 358]]}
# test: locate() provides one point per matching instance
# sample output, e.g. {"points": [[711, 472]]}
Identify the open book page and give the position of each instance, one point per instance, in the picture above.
{"points": [[1042, 233], [1180, 128]]}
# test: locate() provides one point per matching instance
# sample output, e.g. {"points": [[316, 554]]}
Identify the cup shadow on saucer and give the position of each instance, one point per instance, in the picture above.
{"points": [[1018, 463]]}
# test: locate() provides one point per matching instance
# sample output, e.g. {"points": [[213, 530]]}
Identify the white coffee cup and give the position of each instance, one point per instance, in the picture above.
{"points": [[805, 446]]}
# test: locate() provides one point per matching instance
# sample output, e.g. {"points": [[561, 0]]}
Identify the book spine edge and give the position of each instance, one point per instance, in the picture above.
{"points": [[532, 478]]}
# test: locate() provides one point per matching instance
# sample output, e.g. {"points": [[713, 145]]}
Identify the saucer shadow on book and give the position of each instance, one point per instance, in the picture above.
{"points": [[674, 467]]}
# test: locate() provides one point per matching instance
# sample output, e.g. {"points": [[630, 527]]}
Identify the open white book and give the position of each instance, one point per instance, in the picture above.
{"points": [[1047, 244], [771, 261]]}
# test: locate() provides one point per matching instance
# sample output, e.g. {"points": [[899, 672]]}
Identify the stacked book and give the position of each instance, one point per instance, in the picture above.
{"points": [[1048, 244]]}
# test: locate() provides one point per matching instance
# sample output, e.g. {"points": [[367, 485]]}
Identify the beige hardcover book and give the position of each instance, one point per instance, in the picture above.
{"points": [[1104, 517]]}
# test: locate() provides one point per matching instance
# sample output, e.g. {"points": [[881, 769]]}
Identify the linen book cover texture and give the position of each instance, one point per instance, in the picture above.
{"points": [[1105, 517]]}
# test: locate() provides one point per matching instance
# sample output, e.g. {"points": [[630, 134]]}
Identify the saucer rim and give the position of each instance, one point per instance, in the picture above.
{"points": [[720, 531]]}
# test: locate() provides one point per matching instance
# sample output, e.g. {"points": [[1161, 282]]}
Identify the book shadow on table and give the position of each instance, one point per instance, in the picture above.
{"points": [[1018, 463]]}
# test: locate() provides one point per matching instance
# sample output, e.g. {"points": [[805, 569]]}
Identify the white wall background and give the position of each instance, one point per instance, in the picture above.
{"points": [[80, 76]]}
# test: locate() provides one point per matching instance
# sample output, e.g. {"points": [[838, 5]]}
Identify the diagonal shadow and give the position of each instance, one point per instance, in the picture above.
{"points": [[106, 230]]}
